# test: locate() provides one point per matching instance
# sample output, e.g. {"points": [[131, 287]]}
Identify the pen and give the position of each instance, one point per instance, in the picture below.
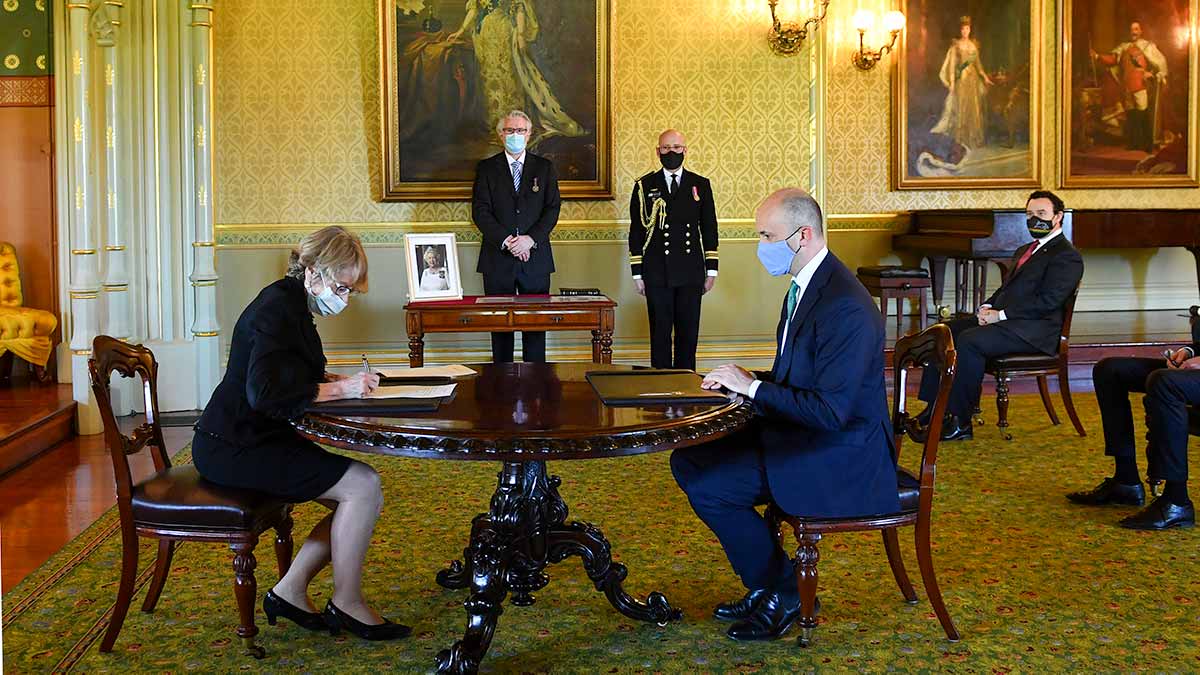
{"points": [[366, 366]]}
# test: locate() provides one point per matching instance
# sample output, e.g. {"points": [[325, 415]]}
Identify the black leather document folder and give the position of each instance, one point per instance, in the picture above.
{"points": [[376, 407], [652, 387]]}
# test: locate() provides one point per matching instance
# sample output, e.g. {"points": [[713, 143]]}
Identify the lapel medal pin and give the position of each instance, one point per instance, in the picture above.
{"points": [[535, 185], [695, 193]]}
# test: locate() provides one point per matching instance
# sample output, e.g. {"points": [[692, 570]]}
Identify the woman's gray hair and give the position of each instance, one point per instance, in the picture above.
{"points": [[513, 113]]}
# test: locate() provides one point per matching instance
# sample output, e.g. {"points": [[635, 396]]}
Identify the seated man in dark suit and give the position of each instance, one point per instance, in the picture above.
{"points": [[821, 441], [1024, 315], [515, 205], [1170, 385]]}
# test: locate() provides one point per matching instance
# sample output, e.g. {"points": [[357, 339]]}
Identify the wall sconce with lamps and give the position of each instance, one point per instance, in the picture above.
{"points": [[864, 20], [786, 38]]}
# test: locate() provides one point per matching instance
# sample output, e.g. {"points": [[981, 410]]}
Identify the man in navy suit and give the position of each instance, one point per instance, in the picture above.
{"points": [[1024, 315], [821, 441], [515, 204]]}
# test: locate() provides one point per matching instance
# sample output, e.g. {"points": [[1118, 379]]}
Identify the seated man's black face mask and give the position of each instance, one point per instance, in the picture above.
{"points": [[1039, 228]]}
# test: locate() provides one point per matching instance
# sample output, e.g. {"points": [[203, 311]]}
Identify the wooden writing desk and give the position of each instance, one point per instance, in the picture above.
{"points": [[508, 314]]}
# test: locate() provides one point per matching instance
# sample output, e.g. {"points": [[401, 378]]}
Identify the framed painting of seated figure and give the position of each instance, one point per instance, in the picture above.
{"points": [[1129, 95], [450, 69], [967, 107]]}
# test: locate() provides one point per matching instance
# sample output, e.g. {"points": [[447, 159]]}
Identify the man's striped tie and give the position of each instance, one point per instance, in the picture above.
{"points": [[516, 172]]}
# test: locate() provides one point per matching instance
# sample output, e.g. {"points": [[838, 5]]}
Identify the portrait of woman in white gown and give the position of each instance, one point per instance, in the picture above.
{"points": [[433, 276]]}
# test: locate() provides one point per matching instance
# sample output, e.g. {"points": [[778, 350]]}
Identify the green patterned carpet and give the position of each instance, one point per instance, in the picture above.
{"points": [[1033, 583]]}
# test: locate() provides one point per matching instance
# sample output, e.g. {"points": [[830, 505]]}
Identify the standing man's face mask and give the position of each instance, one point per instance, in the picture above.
{"points": [[776, 256], [514, 143]]}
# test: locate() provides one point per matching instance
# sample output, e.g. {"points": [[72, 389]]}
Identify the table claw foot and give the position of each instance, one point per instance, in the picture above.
{"points": [[589, 543], [455, 576], [488, 558]]}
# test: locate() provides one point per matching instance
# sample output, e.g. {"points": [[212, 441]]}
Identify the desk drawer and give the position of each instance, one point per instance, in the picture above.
{"points": [[552, 319], [466, 320]]}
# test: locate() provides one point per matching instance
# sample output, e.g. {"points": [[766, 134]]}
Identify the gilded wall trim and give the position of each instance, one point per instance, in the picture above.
{"points": [[275, 235]]}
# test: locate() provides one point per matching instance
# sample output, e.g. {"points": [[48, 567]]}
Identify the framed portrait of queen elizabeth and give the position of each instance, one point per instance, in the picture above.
{"points": [[967, 109], [449, 69]]}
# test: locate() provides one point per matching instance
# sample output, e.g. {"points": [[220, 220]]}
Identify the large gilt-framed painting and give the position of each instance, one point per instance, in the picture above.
{"points": [[450, 68], [966, 106], [1129, 95]]}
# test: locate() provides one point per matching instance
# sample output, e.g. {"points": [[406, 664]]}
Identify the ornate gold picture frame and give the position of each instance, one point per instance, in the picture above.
{"points": [[966, 109], [1128, 93], [449, 69]]}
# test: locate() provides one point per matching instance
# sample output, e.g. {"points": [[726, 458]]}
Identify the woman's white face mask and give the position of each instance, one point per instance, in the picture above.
{"points": [[324, 302]]}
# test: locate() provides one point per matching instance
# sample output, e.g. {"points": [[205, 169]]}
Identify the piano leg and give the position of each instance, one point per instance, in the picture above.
{"points": [[937, 277]]}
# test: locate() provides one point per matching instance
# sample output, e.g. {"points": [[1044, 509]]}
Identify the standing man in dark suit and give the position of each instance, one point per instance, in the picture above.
{"points": [[515, 205], [820, 443], [1170, 385], [673, 251], [1024, 315]]}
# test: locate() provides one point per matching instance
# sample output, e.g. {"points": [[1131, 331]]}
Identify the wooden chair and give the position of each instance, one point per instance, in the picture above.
{"points": [[933, 347], [176, 504], [1040, 365]]}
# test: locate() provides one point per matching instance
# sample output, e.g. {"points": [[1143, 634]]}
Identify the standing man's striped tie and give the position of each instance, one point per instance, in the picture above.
{"points": [[516, 172]]}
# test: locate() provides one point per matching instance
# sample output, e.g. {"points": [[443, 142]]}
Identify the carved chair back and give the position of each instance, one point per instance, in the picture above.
{"points": [[111, 355], [932, 348]]}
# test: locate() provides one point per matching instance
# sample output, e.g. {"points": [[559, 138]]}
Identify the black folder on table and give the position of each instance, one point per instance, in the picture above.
{"points": [[652, 387], [376, 407], [417, 380]]}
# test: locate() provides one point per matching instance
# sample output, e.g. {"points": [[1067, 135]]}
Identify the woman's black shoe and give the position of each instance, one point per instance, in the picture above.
{"points": [[336, 619], [275, 606]]}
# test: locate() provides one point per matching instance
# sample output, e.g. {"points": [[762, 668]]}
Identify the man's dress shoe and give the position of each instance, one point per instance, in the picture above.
{"points": [[738, 610], [1110, 491], [954, 430], [772, 617], [1161, 515]]}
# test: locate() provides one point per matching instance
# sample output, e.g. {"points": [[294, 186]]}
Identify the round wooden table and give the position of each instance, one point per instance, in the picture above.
{"points": [[523, 414]]}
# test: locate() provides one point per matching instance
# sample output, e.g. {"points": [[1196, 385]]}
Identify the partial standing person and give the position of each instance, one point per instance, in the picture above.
{"points": [[244, 437], [820, 443], [673, 251], [515, 204]]}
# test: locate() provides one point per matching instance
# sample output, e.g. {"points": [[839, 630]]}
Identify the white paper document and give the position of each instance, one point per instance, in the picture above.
{"points": [[429, 371], [413, 391]]}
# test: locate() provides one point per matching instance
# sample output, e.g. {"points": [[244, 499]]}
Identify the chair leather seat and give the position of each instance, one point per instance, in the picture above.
{"points": [[893, 271], [179, 498], [1023, 362], [908, 488]]}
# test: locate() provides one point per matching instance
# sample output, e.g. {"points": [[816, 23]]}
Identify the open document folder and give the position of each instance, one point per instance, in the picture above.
{"points": [[413, 391]]}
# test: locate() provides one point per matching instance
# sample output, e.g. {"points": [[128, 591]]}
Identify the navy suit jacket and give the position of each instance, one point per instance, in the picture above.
{"points": [[1034, 297], [824, 425], [499, 211]]}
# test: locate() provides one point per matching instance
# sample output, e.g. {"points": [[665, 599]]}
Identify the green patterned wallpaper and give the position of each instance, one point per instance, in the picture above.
{"points": [[25, 45], [297, 111]]}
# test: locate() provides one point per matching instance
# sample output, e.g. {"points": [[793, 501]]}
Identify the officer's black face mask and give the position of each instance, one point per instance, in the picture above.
{"points": [[1039, 228], [671, 160]]}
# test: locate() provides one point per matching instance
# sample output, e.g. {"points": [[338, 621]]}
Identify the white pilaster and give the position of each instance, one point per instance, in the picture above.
{"points": [[205, 327], [84, 281], [106, 25]]}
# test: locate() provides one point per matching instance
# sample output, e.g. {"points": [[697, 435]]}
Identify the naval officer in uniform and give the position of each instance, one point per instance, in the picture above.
{"points": [[673, 251]]}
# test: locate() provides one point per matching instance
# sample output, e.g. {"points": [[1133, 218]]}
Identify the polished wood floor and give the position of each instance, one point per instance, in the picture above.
{"points": [[51, 499]]}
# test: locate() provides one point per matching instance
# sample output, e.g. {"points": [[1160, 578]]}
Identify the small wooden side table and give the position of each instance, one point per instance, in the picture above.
{"points": [[508, 314], [892, 281]]}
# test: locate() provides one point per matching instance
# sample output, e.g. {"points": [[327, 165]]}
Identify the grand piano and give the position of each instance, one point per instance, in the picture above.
{"points": [[973, 238]]}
